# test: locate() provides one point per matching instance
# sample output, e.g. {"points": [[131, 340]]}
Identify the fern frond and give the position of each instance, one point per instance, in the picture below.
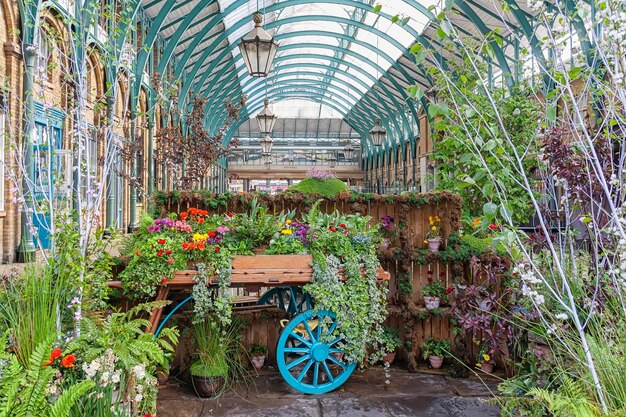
{"points": [[69, 397]]}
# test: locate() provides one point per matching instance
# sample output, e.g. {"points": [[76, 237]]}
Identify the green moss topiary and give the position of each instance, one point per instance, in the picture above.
{"points": [[327, 188]]}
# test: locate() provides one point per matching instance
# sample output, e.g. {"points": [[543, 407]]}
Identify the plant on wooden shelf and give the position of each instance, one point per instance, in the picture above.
{"points": [[388, 231], [434, 293], [390, 341], [257, 355], [433, 235], [435, 351], [485, 359]]}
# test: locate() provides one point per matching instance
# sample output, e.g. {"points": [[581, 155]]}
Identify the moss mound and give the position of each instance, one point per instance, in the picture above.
{"points": [[327, 188]]}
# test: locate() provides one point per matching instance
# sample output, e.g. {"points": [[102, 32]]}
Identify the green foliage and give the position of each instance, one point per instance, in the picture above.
{"points": [[435, 347], [285, 245], [124, 334], [391, 339], [257, 225], [463, 149], [327, 188], [258, 349], [23, 388], [434, 288]]}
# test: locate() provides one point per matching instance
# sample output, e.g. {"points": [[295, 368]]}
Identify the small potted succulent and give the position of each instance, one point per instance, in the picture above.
{"points": [[485, 359], [435, 351], [434, 293], [257, 355], [390, 341], [433, 236]]}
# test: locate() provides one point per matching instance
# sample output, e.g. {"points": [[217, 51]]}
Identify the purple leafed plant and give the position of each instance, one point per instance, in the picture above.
{"points": [[320, 174]]}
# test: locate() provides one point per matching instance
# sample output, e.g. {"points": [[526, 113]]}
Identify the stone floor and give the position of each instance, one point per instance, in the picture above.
{"points": [[366, 394]]}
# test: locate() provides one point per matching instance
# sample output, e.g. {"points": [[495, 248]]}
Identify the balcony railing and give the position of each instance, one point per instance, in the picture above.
{"points": [[297, 162]]}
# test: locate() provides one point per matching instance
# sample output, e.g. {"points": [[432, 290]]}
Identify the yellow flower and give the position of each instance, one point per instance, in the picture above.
{"points": [[434, 228], [200, 237], [425, 241], [486, 357], [478, 365], [430, 218], [286, 231], [288, 222]]}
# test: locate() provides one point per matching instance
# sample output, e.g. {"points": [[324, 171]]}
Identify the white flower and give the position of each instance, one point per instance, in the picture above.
{"points": [[139, 371], [562, 316]]}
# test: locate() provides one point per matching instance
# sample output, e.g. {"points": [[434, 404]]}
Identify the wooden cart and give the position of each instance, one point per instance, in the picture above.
{"points": [[307, 354]]}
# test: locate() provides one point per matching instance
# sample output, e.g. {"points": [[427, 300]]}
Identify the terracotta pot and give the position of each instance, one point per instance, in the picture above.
{"points": [[385, 245], [487, 367], [435, 361], [389, 357], [206, 386], [433, 244], [432, 302], [258, 361]]}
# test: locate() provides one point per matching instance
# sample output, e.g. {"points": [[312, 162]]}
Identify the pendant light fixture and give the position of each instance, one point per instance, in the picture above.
{"points": [[258, 49], [266, 144], [266, 119], [378, 134], [266, 158], [348, 152]]}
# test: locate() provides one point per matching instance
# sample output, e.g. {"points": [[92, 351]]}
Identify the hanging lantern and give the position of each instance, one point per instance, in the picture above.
{"points": [[266, 144], [378, 134], [266, 158], [348, 152], [332, 160], [266, 119], [258, 49]]}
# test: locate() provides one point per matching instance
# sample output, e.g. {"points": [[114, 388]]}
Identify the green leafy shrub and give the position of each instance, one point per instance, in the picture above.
{"points": [[327, 188], [435, 347]]}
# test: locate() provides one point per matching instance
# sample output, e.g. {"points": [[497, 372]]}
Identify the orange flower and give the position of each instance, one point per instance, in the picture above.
{"points": [[200, 221], [138, 252], [56, 353], [68, 361], [192, 246], [201, 246], [184, 215], [193, 210]]}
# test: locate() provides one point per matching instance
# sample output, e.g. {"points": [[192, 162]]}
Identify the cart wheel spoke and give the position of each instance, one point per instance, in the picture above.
{"points": [[305, 370], [307, 326], [328, 373], [337, 340], [336, 362], [296, 350], [298, 361], [300, 338]]}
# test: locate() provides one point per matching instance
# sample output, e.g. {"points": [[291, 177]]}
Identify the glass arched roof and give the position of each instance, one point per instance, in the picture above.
{"points": [[337, 58]]}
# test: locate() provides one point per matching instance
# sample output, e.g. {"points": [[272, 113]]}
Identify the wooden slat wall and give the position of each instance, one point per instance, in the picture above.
{"points": [[267, 332]]}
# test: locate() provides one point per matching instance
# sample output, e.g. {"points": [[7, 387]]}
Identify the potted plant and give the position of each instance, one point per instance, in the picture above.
{"points": [[390, 341], [433, 292], [485, 359], [433, 236], [435, 351], [209, 371], [387, 231], [257, 355]]}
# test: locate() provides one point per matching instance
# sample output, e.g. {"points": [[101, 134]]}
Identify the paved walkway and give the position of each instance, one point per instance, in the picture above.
{"points": [[365, 395]]}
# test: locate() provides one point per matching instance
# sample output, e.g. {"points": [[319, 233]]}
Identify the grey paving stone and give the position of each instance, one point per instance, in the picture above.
{"points": [[353, 407], [266, 407], [469, 407]]}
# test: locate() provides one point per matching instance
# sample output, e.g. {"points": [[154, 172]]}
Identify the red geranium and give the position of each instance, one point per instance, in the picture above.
{"points": [[212, 234], [342, 225], [430, 279], [160, 253], [68, 361], [193, 210], [161, 241], [200, 221], [217, 249], [163, 280], [168, 252], [184, 215], [170, 261], [185, 245], [56, 353], [231, 214], [494, 226], [201, 246]]}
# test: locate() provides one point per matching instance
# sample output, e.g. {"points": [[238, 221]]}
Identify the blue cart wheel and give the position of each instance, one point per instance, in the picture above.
{"points": [[290, 299], [307, 354]]}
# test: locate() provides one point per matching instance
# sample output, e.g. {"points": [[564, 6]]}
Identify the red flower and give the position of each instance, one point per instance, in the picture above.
{"points": [[342, 225], [430, 272], [204, 213], [231, 214], [137, 252], [193, 210], [56, 353], [161, 241], [332, 229], [185, 245], [449, 290], [430, 279], [160, 253], [163, 280], [494, 226], [147, 415], [212, 234], [200, 221], [168, 252], [192, 246], [170, 261], [201, 246], [68, 361], [345, 232], [217, 249], [184, 215]]}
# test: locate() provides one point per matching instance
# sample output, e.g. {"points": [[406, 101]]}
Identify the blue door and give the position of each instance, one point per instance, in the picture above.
{"points": [[48, 140]]}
